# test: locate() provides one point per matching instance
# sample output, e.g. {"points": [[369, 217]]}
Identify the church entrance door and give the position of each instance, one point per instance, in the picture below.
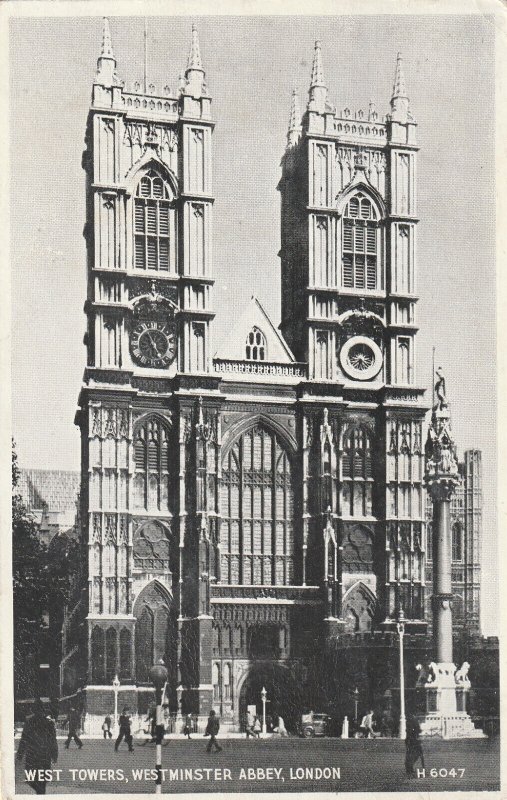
{"points": [[282, 693]]}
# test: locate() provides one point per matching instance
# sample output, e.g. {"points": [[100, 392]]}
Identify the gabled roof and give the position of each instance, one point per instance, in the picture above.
{"points": [[254, 316]]}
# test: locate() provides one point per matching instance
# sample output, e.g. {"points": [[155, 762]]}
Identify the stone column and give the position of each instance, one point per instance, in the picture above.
{"points": [[441, 491], [445, 687]]}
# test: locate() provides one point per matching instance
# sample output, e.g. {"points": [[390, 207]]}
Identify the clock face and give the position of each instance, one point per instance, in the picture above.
{"points": [[153, 344]]}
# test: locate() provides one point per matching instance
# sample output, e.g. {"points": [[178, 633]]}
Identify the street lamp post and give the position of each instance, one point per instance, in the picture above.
{"points": [[158, 676], [116, 686], [264, 695], [356, 703], [400, 626]]}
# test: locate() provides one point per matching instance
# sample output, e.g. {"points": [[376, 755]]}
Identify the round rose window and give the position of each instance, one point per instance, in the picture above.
{"points": [[361, 358]]}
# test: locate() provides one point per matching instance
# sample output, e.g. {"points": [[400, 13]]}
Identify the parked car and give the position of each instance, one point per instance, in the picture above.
{"points": [[313, 724]]}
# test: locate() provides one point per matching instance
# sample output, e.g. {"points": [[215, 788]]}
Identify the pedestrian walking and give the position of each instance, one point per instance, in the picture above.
{"points": [[249, 725], [39, 746], [413, 747], [187, 730], [151, 722], [367, 725], [280, 728], [212, 729], [106, 727], [125, 730], [257, 727], [74, 722]]}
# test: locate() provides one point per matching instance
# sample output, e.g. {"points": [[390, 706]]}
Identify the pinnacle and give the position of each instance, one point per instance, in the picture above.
{"points": [[295, 112], [194, 56], [107, 45], [317, 69], [399, 88]]}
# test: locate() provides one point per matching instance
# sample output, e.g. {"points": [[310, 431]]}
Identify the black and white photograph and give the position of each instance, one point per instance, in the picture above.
{"points": [[253, 543]]}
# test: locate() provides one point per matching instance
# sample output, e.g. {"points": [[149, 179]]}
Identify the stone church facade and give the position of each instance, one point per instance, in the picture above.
{"points": [[243, 511]]}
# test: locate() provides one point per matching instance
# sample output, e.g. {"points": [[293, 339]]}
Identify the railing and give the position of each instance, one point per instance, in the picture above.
{"points": [[162, 105], [260, 368]]}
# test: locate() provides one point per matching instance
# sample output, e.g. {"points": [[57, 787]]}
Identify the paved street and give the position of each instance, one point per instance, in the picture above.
{"points": [[294, 765]]}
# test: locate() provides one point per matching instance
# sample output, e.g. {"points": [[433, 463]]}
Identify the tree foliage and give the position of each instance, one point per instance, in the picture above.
{"points": [[41, 579]]}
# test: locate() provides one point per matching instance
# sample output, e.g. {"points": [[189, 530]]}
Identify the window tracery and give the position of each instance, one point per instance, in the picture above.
{"points": [[256, 345], [360, 244], [357, 472], [257, 540], [152, 223], [151, 463]]}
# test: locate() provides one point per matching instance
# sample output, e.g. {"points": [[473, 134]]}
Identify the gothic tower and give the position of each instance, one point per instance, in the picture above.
{"points": [[148, 237], [349, 221]]}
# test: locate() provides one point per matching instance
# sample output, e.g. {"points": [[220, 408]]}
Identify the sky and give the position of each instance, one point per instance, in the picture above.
{"points": [[252, 65]]}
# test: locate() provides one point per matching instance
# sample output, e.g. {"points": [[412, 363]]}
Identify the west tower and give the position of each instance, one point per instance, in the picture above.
{"points": [[348, 207], [149, 310]]}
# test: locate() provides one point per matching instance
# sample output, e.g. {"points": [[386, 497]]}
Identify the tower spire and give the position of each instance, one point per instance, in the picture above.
{"points": [[399, 99], [194, 72], [294, 132], [106, 63], [318, 89], [107, 45]]}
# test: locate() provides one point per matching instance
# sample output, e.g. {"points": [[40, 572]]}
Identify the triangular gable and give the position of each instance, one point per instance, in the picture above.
{"points": [[253, 316]]}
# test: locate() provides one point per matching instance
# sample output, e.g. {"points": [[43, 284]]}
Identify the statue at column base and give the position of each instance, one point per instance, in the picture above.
{"points": [[445, 690]]}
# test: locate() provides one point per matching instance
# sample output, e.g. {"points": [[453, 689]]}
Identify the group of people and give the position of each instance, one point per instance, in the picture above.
{"points": [[254, 727], [38, 744]]}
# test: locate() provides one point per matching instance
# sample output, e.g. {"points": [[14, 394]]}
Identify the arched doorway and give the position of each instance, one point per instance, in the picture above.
{"points": [[282, 692]]}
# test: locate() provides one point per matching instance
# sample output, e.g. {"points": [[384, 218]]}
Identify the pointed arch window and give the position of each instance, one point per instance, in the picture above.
{"points": [[151, 462], [457, 545], [257, 538], [357, 472], [256, 345], [152, 223], [360, 245]]}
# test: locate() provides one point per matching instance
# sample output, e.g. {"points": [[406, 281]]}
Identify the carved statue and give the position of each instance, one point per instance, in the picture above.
{"points": [[423, 675], [461, 675], [432, 672], [440, 390]]}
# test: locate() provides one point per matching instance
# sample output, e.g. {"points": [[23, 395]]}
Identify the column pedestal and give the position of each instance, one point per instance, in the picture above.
{"points": [[446, 715]]}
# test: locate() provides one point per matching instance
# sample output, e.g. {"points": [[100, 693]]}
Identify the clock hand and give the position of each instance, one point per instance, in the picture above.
{"points": [[153, 343]]}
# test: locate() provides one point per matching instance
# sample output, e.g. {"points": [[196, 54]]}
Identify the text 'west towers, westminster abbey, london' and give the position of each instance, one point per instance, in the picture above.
{"points": [[248, 515]]}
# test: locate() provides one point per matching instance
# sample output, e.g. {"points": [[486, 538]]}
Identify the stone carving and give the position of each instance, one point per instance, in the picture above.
{"points": [[97, 528], [110, 529], [96, 422], [123, 538], [461, 675], [123, 422], [326, 432], [440, 390], [110, 423]]}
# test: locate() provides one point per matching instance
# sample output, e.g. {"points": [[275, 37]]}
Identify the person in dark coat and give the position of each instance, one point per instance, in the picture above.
{"points": [[106, 726], [187, 730], [38, 744], [212, 729], [125, 725], [74, 720], [413, 747]]}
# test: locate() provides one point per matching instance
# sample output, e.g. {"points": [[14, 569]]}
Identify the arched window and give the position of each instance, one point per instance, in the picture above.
{"points": [[360, 246], [151, 457], [152, 223], [457, 546], [357, 473], [98, 655], [256, 345], [125, 654], [257, 540], [111, 651], [429, 541]]}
